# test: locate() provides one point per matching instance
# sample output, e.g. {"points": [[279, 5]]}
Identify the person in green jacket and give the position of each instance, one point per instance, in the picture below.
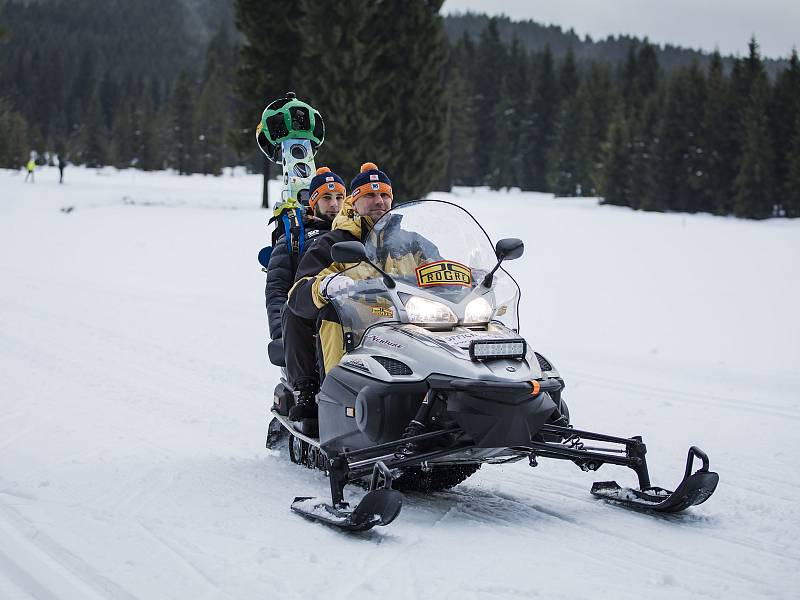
{"points": [[31, 166]]}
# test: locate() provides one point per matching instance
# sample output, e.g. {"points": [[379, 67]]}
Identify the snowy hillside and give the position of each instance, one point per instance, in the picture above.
{"points": [[134, 386]]}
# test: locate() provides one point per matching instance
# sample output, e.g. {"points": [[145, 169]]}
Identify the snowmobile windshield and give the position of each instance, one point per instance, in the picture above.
{"points": [[438, 256]]}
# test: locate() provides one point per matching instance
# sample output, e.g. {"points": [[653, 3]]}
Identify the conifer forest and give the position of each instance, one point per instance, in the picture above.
{"points": [[437, 101]]}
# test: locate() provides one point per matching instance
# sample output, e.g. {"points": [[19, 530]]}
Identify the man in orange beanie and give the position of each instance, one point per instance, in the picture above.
{"points": [[371, 198]]}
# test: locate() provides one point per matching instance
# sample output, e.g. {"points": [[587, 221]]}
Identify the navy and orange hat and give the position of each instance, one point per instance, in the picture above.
{"points": [[323, 182], [370, 179]]}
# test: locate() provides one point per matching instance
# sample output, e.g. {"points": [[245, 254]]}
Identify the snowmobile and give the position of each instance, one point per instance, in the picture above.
{"points": [[437, 381]]}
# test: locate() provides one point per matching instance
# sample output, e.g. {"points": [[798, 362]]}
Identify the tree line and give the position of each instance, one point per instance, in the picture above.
{"points": [[114, 83], [718, 135], [688, 139]]}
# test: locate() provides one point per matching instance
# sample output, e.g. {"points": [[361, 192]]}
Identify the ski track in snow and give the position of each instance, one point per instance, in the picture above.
{"points": [[133, 397]]}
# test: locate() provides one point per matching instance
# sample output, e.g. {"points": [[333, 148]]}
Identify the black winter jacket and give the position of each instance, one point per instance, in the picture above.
{"points": [[281, 271]]}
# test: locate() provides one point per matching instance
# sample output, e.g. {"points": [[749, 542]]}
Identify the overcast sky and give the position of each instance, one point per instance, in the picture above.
{"points": [[703, 24]]}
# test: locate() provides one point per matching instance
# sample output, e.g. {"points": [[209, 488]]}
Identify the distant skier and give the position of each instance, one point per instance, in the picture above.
{"points": [[31, 166], [61, 165]]}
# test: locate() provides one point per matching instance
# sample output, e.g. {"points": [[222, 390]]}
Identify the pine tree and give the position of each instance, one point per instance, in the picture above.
{"points": [[673, 186], [784, 109], [94, 135], [412, 135], [462, 118], [600, 102], [568, 79], [503, 158], [755, 191], [791, 187], [616, 188], [718, 142], [148, 148], [565, 158], [461, 137], [510, 117], [648, 70], [537, 139], [121, 147], [628, 80], [644, 141], [13, 143], [267, 63], [210, 124], [491, 59], [343, 84], [181, 123], [694, 197]]}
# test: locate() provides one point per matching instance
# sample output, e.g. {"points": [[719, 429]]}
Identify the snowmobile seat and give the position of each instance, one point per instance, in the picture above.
{"points": [[275, 352]]}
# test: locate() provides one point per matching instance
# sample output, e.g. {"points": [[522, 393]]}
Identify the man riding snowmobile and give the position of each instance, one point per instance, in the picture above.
{"points": [[319, 277], [327, 193]]}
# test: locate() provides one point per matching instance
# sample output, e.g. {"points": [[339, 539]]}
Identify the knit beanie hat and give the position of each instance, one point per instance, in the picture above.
{"points": [[324, 181], [370, 179]]}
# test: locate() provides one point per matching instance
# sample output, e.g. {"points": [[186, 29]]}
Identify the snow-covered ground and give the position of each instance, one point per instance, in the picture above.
{"points": [[134, 385]]}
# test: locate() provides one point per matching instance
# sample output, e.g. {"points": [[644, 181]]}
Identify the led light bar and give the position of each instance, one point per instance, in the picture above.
{"points": [[489, 349]]}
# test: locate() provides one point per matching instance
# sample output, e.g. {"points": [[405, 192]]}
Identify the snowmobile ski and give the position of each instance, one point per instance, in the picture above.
{"points": [[695, 488], [275, 433], [380, 506]]}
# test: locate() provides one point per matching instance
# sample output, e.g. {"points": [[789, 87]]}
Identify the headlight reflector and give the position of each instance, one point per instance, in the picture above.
{"points": [[478, 311], [420, 310]]}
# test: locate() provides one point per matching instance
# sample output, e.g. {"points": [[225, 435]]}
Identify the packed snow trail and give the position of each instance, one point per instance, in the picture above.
{"points": [[134, 388]]}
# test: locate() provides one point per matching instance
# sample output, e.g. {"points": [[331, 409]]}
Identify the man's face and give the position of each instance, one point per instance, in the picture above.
{"points": [[373, 204], [328, 205]]}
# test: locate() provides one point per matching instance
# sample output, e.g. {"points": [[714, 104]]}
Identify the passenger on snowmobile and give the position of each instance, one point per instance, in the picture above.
{"points": [[319, 278], [327, 192]]}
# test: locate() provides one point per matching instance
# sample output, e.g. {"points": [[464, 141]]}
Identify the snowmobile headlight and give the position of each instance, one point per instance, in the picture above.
{"points": [[505, 348], [478, 311], [422, 311]]}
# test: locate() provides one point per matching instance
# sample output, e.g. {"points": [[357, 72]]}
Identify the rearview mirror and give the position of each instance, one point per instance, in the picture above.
{"points": [[348, 252], [509, 248]]}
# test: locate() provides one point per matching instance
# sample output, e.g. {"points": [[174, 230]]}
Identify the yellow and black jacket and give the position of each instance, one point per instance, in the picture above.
{"points": [[306, 298]]}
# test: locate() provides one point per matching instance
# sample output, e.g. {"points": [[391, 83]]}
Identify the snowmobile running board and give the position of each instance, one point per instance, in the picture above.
{"points": [[381, 505]]}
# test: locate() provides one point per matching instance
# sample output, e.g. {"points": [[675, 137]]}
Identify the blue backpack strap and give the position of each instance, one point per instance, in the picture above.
{"points": [[302, 239], [287, 229]]}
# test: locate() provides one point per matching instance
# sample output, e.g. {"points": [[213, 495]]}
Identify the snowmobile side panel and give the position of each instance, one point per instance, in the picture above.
{"points": [[357, 411]]}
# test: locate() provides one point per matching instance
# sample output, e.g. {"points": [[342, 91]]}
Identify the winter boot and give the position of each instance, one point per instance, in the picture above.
{"points": [[305, 403]]}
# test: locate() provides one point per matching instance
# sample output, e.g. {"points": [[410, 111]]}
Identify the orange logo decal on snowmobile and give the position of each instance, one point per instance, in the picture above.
{"points": [[444, 272]]}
